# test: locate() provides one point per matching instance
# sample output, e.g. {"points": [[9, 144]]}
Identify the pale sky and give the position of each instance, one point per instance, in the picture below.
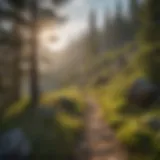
{"points": [[77, 12]]}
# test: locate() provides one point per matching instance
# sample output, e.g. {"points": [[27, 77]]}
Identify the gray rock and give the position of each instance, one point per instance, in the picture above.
{"points": [[14, 142], [142, 93], [154, 124]]}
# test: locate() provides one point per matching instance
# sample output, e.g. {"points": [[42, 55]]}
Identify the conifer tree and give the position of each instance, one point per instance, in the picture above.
{"points": [[151, 37], [134, 11], [34, 56], [14, 13], [93, 33], [108, 35], [117, 26]]}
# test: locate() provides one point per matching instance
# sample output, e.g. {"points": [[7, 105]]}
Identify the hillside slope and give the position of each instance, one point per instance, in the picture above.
{"points": [[128, 121]]}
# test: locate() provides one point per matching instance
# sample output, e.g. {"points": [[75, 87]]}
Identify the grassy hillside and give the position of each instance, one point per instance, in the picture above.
{"points": [[96, 66], [127, 120]]}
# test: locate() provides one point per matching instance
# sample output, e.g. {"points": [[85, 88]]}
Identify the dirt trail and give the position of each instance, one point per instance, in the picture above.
{"points": [[99, 142]]}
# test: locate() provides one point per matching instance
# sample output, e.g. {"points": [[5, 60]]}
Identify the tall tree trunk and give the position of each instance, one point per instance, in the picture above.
{"points": [[34, 60], [12, 92], [16, 62]]}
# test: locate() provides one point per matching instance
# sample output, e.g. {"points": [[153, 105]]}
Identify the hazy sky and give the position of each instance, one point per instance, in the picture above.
{"points": [[77, 11]]}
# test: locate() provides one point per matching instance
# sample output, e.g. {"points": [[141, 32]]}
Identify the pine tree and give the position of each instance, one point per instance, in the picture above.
{"points": [[93, 33], [14, 13], [151, 22], [7, 45], [17, 6], [151, 37], [134, 11], [117, 28], [34, 56], [119, 23], [107, 31]]}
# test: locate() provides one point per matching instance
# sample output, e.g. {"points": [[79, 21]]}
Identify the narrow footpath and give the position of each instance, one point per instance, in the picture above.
{"points": [[99, 141]]}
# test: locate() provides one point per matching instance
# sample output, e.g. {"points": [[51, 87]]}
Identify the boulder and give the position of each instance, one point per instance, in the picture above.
{"points": [[142, 93], [154, 124], [14, 143]]}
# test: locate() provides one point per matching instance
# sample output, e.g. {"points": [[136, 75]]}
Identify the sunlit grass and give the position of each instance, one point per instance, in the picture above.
{"points": [[68, 121], [72, 92], [127, 131], [17, 108]]}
